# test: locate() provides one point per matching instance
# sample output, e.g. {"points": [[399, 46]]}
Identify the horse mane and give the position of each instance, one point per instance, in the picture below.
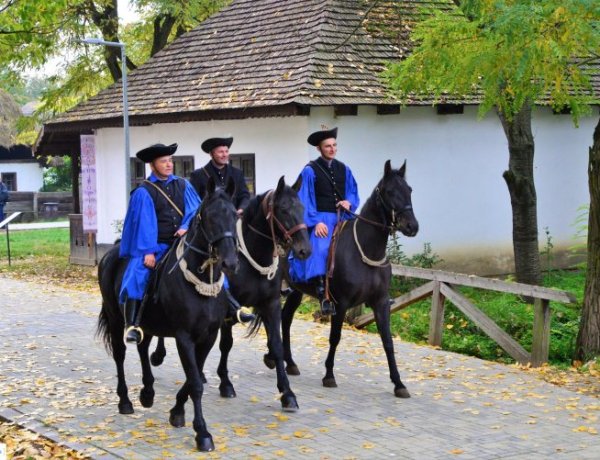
{"points": [[371, 202], [253, 208]]}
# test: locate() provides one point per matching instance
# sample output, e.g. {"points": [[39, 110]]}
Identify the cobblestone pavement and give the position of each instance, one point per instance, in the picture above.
{"points": [[58, 380]]}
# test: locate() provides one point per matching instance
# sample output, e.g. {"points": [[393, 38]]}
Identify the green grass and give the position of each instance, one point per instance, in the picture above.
{"points": [[31, 243]]}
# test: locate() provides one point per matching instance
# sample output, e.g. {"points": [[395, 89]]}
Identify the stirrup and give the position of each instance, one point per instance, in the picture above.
{"points": [[133, 328], [327, 307]]}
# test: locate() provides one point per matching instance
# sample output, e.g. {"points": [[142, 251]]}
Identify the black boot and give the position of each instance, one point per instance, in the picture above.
{"points": [[327, 307], [235, 312], [133, 333]]}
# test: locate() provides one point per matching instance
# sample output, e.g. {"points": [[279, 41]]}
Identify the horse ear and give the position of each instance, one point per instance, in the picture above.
{"points": [[387, 169], [230, 188], [402, 170], [280, 185], [210, 186], [297, 184]]}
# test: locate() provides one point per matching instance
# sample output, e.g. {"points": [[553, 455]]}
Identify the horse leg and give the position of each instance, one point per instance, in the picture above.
{"points": [[272, 324], [287, 316], [147, 391], [118, 353], [177, 413], [188, 354], [226, 388], [382, 319], [158, 355], [335, 334]]}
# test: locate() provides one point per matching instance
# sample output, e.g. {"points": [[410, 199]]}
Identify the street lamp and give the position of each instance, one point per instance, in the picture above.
{"points": [[99, 41]]}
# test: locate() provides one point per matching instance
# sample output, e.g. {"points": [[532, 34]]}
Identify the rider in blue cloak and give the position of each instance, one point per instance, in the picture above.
{"points": [[159, 212], [328, 186]]}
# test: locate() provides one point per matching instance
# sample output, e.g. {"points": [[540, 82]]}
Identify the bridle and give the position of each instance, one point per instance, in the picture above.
{"points": [[268, 209], [391, 227], [393, 223], [211, 258]]}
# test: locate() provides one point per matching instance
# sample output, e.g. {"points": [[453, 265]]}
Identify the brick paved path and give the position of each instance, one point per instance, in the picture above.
{"points": [[56, 379]]}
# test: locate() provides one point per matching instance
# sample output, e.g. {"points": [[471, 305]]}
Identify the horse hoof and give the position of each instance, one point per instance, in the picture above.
{"points": [[329, 382], [177, 420], [147, 397], [401, 393], [292, 369], [205, 444], [269, 362], [126, 408], [227, 391], [289, 403], [156, 359]]}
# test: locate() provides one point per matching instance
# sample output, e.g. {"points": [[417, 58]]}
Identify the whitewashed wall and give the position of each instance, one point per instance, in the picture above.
{"points": [[455, 165], [29, 175]]}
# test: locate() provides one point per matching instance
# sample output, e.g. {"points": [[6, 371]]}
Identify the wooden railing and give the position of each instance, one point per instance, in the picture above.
{"points": [[440, 288]]}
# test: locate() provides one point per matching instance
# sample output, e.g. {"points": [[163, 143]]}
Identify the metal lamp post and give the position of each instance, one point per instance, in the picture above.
{"points": [[98, 41]]}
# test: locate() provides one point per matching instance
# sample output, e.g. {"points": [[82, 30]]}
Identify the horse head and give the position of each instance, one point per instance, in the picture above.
{"points": [[214, 225], [394, 198], [287, 213]]}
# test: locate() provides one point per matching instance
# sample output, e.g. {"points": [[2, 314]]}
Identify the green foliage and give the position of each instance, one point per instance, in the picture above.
{"points": [[507, 51], [547, 253], [34, 33], [581, 229], [58, 178]]}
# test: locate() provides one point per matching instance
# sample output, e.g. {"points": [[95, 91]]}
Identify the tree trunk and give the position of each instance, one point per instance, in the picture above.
{"points": [[521, 187], [588, 339]]}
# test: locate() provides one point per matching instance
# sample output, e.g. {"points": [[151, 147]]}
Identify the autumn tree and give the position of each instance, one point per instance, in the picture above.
{"points": [[34, 33], [509, 54]]}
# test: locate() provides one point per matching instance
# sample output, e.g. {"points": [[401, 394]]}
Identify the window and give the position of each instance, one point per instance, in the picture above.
{"points": [[183, 166], [138, 172], [10, 180], [245, 162]]}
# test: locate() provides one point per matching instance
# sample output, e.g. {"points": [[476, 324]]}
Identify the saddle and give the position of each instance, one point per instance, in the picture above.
{"points": [[330, 265]]}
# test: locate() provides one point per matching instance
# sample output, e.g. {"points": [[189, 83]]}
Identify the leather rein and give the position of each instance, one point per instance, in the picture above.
{"points": [[268, 209]]}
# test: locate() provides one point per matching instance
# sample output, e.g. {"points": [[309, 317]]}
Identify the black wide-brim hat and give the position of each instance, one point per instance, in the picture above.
{"points": [[156, 151], [319, 136], [215, 142]]}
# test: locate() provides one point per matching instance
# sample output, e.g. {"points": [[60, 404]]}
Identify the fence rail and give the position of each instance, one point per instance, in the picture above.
{"points": [[440, 288]]}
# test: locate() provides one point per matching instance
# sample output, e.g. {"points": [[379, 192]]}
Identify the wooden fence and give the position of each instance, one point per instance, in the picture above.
{"points": [[36, 205], [440, 288]]}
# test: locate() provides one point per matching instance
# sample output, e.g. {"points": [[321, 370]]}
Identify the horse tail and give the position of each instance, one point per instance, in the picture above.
{"points": [[254, 326], [103, 329]]}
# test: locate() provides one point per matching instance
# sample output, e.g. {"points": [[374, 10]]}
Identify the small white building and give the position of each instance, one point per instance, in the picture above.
{"points": [[19, 170], [271, 72]]}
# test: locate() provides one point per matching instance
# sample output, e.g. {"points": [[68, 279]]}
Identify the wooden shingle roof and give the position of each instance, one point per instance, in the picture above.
{"points": [[266, 58], [258, 54]]}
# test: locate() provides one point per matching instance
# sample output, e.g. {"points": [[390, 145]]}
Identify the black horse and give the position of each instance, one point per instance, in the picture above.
{"points": [[186, 302], [361, 272], [272, 221]]}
